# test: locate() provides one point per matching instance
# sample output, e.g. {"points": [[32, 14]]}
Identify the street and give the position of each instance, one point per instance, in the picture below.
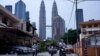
{"points": [[47, 54], [41, 54]]}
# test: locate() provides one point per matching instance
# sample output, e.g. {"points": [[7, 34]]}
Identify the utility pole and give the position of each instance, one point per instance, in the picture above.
{"points": [[77, 29], [76, 19]]}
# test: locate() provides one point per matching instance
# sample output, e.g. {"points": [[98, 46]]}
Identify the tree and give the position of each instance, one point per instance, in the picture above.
{"points": [[51, 42], [42, 46], [71, 36]]}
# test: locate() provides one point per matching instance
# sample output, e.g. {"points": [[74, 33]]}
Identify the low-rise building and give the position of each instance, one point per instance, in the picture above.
{"points": [[89, 44], [14, 31], [89, 28]]}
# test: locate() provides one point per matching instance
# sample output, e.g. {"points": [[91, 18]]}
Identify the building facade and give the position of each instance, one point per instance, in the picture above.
{"points": [[89, 44], [42, 21], [89, 28], [20, 10], [79, 18], [59, 28], [13, 31]]}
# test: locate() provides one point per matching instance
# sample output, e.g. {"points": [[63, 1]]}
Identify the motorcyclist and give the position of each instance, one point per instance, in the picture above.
{"points": [[52, 50], [62, 51]]}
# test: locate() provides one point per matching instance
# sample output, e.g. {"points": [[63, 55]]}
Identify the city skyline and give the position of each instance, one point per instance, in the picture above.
{"points": [[64, 10]]}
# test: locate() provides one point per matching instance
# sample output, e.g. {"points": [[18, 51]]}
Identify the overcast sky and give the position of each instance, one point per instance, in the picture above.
{"points": [[91, 10]]}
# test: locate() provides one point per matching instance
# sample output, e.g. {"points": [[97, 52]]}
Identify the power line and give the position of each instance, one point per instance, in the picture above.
{"points": [[71, 15], [70, 20]]}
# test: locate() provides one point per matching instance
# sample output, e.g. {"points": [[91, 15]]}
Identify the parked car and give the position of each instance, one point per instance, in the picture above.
{"points": [[19, 49]]}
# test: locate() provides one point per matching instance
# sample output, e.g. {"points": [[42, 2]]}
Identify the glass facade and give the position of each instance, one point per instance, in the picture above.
{"points": [[20, 10]]}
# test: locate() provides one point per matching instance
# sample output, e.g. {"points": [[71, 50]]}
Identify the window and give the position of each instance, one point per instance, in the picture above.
{"points": [[90, 32], [95, 31], [95, 40], [84, 32]]}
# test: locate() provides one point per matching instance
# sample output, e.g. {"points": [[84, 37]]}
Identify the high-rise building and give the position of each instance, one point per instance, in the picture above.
{"points": [[58, 24], [27, 17], [79, 18], [20, 10], [9, 8], [59, 28], [54, 13], [42, 21]]}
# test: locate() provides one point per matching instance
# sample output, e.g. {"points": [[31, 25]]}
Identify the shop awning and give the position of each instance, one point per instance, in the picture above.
{"points": [[15, 31]]}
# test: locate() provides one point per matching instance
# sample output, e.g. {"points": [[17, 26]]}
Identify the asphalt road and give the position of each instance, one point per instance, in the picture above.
{"points": [[47, 54]]}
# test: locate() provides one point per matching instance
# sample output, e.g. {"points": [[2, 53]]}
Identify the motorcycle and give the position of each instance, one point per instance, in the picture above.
{"points": [[52, 50], [62, 52]]}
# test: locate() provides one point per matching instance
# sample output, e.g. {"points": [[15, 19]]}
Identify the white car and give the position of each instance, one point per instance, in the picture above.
{"points": [[22, 49]]}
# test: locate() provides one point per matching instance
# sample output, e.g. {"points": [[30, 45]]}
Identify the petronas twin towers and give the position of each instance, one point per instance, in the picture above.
{"points": [[58, 24]]}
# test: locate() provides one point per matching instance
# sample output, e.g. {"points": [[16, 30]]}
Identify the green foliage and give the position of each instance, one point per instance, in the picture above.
{"points": [[51, 42], [71, 36], [47, 42], [42, 46]]}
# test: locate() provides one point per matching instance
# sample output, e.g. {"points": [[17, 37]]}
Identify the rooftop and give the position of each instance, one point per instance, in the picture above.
{"points": [[90, 22]]}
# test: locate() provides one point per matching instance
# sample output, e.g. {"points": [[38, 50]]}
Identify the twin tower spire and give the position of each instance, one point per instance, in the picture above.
{"points": [[42, 18]]}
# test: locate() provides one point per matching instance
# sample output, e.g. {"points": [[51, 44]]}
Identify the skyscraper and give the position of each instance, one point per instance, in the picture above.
{"points": [[54, 13], [42, 21], [20, 10], [58, 24], [27, 16], [9, 8], [79, 17]]}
